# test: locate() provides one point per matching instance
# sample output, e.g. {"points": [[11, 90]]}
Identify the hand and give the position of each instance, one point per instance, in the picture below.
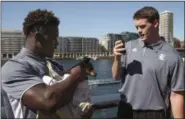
{"points": [[118, 48], [88, 113], [79, 72]]}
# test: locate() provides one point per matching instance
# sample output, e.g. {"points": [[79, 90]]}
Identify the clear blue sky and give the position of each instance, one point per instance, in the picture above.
{"points": [[90, 19]]}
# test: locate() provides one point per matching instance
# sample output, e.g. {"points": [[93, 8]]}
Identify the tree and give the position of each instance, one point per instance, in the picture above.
{"points": [[102, 48]]}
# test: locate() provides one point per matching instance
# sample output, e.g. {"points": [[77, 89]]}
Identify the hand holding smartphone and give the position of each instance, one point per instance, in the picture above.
{"points": [[119, 48]]}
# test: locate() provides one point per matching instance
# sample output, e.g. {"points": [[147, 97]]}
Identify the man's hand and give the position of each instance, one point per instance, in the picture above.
{"points": [[118, 49], [79, 72], [88, 113]]}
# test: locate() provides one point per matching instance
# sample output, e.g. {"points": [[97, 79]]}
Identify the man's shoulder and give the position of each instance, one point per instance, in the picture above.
{"points": [[15, 64], [172, 54], [131, 43], [17, 60], [169, 49]]}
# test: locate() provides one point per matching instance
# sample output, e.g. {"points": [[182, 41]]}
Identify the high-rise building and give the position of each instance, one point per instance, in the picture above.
{"points": [[11, 42], [104, 41], [166, 26]]}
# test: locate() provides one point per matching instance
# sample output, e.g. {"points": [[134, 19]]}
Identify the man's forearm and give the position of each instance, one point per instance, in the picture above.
{"points": [[68, 96], [177, 105], [116, 68], [61, 92], [46, 98]]}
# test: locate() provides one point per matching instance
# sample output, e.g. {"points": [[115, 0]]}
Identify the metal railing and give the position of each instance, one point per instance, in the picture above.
{"points": [[105, 106]]}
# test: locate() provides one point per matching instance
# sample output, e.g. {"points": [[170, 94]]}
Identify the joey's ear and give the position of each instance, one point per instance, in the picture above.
{"points": [[86, 59]]}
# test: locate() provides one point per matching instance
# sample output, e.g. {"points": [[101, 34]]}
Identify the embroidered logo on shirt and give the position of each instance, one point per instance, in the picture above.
{"points": [[161, 57], [134, 49]]}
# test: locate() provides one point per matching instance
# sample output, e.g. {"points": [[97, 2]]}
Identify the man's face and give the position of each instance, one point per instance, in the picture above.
{"points": [[145, 29], [51, 41]]}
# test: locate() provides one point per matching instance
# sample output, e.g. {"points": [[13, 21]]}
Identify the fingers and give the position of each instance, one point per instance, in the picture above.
{"points": [[118, 51], [120, 45], [118, 42], [118, 48]]}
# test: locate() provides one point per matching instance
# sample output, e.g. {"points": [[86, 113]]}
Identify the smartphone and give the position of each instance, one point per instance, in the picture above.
{"points": [[123, 52]]}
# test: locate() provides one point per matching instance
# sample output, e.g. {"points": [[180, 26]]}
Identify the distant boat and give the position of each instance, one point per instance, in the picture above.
{"points": [[95, 58], [79, 58]]}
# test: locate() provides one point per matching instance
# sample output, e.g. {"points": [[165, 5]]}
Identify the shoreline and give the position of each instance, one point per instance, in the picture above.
{"points": [[3, 61], [98, 58]]}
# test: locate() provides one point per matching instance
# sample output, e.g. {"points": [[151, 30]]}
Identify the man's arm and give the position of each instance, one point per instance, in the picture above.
{"points": [[48, 98], [116, 68], [177, 104], [118, 51], [177, 87]]}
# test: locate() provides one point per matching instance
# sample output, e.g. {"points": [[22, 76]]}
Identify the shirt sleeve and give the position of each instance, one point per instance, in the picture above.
{"points": [[177, 75], [18, 78]]}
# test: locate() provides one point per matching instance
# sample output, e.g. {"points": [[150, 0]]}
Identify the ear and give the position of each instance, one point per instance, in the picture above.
{"points": [[86, 59], [39, 38], [156, 23]]}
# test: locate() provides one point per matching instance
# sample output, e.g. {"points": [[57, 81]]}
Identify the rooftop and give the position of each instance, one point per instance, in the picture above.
{"points": [[9, 30], [166, 11]]}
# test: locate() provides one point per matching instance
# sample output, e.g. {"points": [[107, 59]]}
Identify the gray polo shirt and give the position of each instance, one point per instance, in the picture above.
{"points": [[18, 75], [149, 73]]}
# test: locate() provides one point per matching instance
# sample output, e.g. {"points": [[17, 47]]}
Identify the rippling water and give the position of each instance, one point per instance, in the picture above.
{"points": [[102, 66]]}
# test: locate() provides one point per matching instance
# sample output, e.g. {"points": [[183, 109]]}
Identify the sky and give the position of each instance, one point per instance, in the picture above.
{"points": [[90, 19]]}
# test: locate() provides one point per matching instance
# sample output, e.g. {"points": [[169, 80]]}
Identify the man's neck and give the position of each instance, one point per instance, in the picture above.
{"points": [[33, 51], [153, 40]]}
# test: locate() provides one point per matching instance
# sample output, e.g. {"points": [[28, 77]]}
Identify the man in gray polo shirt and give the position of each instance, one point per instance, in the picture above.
{"points": [[151, 72], [22, 75]]}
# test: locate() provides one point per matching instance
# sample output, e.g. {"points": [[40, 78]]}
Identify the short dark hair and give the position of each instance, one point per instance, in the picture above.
{"points": [[148, 12], [39, 18]]}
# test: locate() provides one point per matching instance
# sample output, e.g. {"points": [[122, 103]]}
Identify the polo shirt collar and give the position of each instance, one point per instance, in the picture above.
{"points": [[156, 46]]}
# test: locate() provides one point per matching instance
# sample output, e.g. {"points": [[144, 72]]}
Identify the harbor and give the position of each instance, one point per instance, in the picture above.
{"points": [[104, 89], [48, 39]]}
